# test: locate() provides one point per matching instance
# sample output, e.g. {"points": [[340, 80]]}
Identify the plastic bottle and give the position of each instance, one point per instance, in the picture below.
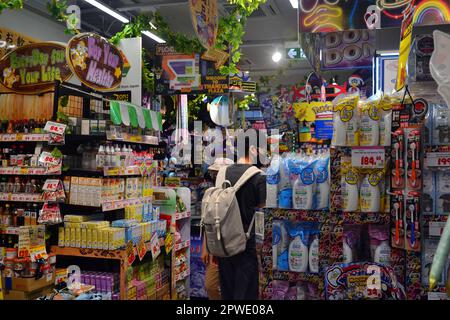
{"points": [[117, 156], [109, 159], [280, 246], [303, 188], [273, 178], [347, 253], [322, 182], [349, 187], [101, 157], [314, 255], [370, 195], [370, 122], [383, 253], [298, 255]]}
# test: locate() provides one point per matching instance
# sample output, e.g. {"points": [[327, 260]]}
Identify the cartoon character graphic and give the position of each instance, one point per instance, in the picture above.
{"points": [[79, 55], [10, 77], [355, 82]]}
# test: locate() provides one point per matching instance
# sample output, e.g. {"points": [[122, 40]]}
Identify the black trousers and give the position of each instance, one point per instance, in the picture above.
{"points": [[239, 277]]}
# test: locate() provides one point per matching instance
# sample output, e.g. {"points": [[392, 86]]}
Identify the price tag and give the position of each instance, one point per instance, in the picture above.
{"points": [[55, 127], [131, 255], [154, 246], [368, 157], [47, 158], [168, 242], [113, 172], [436, 228], [24, 171], [38, 252], [51, 185], [19, 137], [142, 250], [437, 159]]}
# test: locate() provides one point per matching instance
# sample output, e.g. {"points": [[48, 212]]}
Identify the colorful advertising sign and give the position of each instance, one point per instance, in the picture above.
{"points": [[177, 73], [95, 62], [10, 40], [348, 49], [340, 15], [34, 68], [405, 48], [205, 19]]}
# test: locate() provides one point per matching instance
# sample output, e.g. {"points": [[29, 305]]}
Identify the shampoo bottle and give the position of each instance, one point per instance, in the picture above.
{"points": [[322, 184], [340, 130], [298, 255], [383, 253], [370, 195], [349, 189], [314, 255], [273, 178]]}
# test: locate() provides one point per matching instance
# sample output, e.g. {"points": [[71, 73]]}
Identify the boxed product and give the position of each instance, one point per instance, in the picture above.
{"points": [[440, 124], [442, 192]]}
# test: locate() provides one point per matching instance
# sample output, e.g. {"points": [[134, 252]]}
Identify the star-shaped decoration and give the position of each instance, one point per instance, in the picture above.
{"points": [[118, 73]]}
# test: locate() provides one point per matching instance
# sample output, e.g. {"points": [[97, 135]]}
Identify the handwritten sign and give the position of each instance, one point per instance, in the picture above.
{"points": [[34, 68], [46, 158], [95, 62], [141, 249], [155, 246], [55, 127]]}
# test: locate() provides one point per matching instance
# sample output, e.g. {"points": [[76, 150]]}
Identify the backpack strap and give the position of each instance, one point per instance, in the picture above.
{"points": [[220, 179], [248, 174]]}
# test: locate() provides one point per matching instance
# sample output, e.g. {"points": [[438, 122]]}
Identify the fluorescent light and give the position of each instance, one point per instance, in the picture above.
{"points": [[294, 4], [107, 10], [276, 56], [153, 36]]}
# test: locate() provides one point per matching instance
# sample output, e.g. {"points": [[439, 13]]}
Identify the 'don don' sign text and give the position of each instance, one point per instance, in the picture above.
{"points": [[95, 62], [33, 68]]}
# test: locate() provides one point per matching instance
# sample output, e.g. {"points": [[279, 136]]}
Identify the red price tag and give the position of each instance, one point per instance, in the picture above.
{"points": [[55, 127], [437, 159], [368, 157]]}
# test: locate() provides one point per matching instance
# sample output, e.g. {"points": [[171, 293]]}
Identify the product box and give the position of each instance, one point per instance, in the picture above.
{"points": [[67, 237], [83, 238], [428, 194], [31, 284], [441, 125], [85, 127], [89, 238], [105, 238], [23, 295], [61, 240], [95, 238], [74, 190], [442, 193]]}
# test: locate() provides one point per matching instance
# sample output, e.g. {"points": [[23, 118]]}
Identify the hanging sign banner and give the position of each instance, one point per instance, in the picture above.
{"points": [[95, 62], [405, 48], [205, 19], [34, 68]]}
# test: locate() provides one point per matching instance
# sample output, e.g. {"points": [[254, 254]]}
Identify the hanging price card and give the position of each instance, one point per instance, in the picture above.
{"points": [[47, 158], [154, 245], [131, 255], [55, 127], [51, 185], [368, 157], [437, 159], [141, 249], [168, 242]]}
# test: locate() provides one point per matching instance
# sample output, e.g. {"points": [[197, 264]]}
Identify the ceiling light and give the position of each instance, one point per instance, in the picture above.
{"points": [[107, 10], [153, 36], [294, 4], [276, 57]]}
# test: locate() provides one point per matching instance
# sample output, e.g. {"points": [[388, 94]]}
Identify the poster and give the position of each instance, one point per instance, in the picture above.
{"points": [[347, 50], [339, 15], [205, 20], [95, 62], [405, 48], [177, 73], [34, 68], [132, 70]]}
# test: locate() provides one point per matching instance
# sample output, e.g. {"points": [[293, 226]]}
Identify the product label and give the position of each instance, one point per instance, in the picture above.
{"points": [[55, 127], [307, 176], [368, 157]]}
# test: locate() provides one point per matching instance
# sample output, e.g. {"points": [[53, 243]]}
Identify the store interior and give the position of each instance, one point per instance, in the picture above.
{"points": [[111, 113]]}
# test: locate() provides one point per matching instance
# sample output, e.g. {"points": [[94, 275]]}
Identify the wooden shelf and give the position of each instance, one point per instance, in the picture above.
{"points": [[21, 197]]}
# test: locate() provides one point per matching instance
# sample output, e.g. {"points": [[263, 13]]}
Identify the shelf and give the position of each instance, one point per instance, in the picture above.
{"points": [[182, 275], [21, 197], [128, 138], [121, 171], [34, 171], [120, 254], [182, 245], [182, 215], [25, 137], [10, 230], [84, 138], [120, 204]]}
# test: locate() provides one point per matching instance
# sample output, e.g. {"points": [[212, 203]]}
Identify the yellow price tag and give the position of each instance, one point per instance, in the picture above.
{"points": [[19, 137], [113, 172], [24, 171], [168, 242]]}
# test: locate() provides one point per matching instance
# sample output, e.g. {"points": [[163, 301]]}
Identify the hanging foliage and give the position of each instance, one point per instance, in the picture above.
{"points": [[11, 4], [148, 77], [58, 10], [232, 30]]}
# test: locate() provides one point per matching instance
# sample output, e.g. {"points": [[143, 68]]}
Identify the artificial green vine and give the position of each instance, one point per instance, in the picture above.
{"points": [[58, 9], [148, 77], [10, 4], [232, 30]]}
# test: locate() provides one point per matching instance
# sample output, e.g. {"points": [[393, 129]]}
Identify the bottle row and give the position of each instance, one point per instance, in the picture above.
{"points": [[18, 215], [22, 126], [21, 185]]}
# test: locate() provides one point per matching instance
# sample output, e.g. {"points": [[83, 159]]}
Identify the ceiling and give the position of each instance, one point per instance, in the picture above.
{"points": [[267, 29]]}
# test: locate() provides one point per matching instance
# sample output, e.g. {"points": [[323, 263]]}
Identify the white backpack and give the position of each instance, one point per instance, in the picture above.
{"points": [[221, 216]]}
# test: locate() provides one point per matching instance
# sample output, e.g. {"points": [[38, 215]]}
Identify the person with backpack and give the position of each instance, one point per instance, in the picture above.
{"points": [[228, 215]]}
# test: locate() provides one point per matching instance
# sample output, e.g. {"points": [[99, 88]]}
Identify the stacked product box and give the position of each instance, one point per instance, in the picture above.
{"points": [[104, 282]]}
